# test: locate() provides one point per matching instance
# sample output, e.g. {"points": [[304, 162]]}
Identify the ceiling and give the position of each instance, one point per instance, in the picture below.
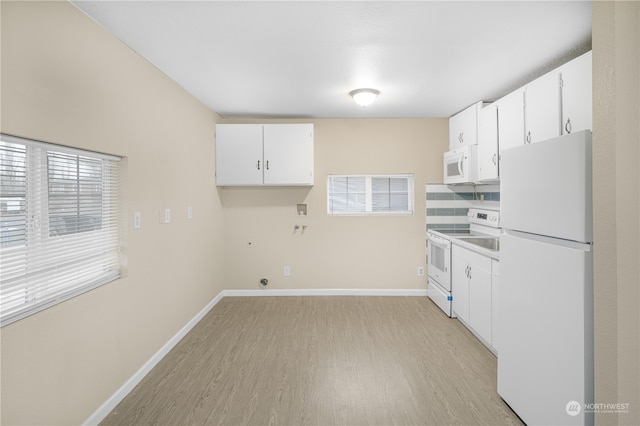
{"points": [[302, 58]]}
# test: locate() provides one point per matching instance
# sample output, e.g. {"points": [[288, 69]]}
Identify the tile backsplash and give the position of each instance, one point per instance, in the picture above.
{"points": [[447, 205]]}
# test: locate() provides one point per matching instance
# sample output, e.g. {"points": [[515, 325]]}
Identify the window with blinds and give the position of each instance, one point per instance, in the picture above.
{"points": [[59, 233], [370, 194]]}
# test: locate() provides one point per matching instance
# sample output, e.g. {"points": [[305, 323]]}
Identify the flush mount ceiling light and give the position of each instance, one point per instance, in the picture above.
{"points": [[364, 97]]}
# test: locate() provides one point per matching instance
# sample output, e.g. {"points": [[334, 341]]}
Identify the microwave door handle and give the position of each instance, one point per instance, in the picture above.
{"points": [[460, 168]]}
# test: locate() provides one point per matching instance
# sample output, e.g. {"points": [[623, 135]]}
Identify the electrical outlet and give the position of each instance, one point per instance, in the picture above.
{"points": [[137, 223], [189, 212], [421, 271], [286, 271], [167, 215]]}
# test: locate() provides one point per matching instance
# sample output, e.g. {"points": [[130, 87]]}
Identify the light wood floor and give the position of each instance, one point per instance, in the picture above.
{"points": [[321, 361]]}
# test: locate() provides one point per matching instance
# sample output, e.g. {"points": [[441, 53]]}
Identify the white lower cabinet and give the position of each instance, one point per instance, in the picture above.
{"points": [[471, 283], [460, 283], [495, 304]]}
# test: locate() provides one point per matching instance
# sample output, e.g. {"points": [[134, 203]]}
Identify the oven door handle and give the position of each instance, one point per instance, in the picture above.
{"points": [[439, 244]]}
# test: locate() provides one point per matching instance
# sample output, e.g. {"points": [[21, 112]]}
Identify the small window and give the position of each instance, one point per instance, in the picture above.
{"points": [[59, 231], [370, 194]]}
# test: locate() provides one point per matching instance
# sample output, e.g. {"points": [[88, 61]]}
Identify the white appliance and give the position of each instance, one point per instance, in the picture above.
{"points": [[482, 223], [545, 364], [461, 165], [439, 271]]}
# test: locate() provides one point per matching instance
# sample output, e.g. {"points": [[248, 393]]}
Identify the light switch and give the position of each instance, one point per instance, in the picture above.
{"points": [[136, 220], [164, 216], [189, 212]]}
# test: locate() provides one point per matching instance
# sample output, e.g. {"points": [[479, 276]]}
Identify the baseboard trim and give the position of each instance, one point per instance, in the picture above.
{"points": [[102, 412], [108, 406], [326, 292]]}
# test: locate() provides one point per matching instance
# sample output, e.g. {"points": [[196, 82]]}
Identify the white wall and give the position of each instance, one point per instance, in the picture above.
{"points": [[66, 80]]}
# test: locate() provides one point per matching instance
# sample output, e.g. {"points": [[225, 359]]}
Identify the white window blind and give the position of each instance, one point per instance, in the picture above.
{"points": [[370, 194], [59, 233]]}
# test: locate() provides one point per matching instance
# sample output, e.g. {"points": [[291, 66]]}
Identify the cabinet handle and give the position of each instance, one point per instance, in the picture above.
{"points": [[469, 272], [258, 165], [567, 127], [267, 164], [466, 272], [461, 137], [529, 137], [494, 159]]}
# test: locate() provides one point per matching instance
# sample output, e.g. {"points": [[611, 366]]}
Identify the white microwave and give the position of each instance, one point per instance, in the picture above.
{"points": [[461, 165]]}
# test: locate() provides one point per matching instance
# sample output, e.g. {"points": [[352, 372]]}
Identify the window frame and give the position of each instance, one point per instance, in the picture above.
{"points": [[50, 268], [368, 191]]}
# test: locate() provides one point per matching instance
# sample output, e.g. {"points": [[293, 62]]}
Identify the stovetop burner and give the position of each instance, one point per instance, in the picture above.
{"points": [[481, 222]]}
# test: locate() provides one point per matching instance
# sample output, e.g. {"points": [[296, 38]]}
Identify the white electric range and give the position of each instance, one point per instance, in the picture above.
{"points": [[482, 223]]}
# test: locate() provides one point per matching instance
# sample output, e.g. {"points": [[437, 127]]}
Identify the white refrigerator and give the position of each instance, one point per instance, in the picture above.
{"points": [[545, 361]]}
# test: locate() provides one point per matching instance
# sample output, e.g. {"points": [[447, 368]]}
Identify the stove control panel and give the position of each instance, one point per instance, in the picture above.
{"points": [[484, 217]]}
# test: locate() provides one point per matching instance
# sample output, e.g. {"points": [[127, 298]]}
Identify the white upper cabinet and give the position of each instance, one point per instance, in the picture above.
{"points": [[511, 119], [463, 127], [264, 154], [560, 102], [542, 108], [239, 154], [577, 96], [288, 154], [488, 144]]}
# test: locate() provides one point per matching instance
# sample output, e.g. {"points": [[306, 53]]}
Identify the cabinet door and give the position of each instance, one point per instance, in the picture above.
{"points": [[463, 127], [488, 144], [480, 295], [460, 284], [511, 120], [455, 130], [239, 154], [495, 303], [542, 108], [577, 95], [288, 154]]}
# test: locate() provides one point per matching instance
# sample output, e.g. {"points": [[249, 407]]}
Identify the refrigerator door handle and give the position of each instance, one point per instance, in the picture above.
{"points": [[578, 245]]}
